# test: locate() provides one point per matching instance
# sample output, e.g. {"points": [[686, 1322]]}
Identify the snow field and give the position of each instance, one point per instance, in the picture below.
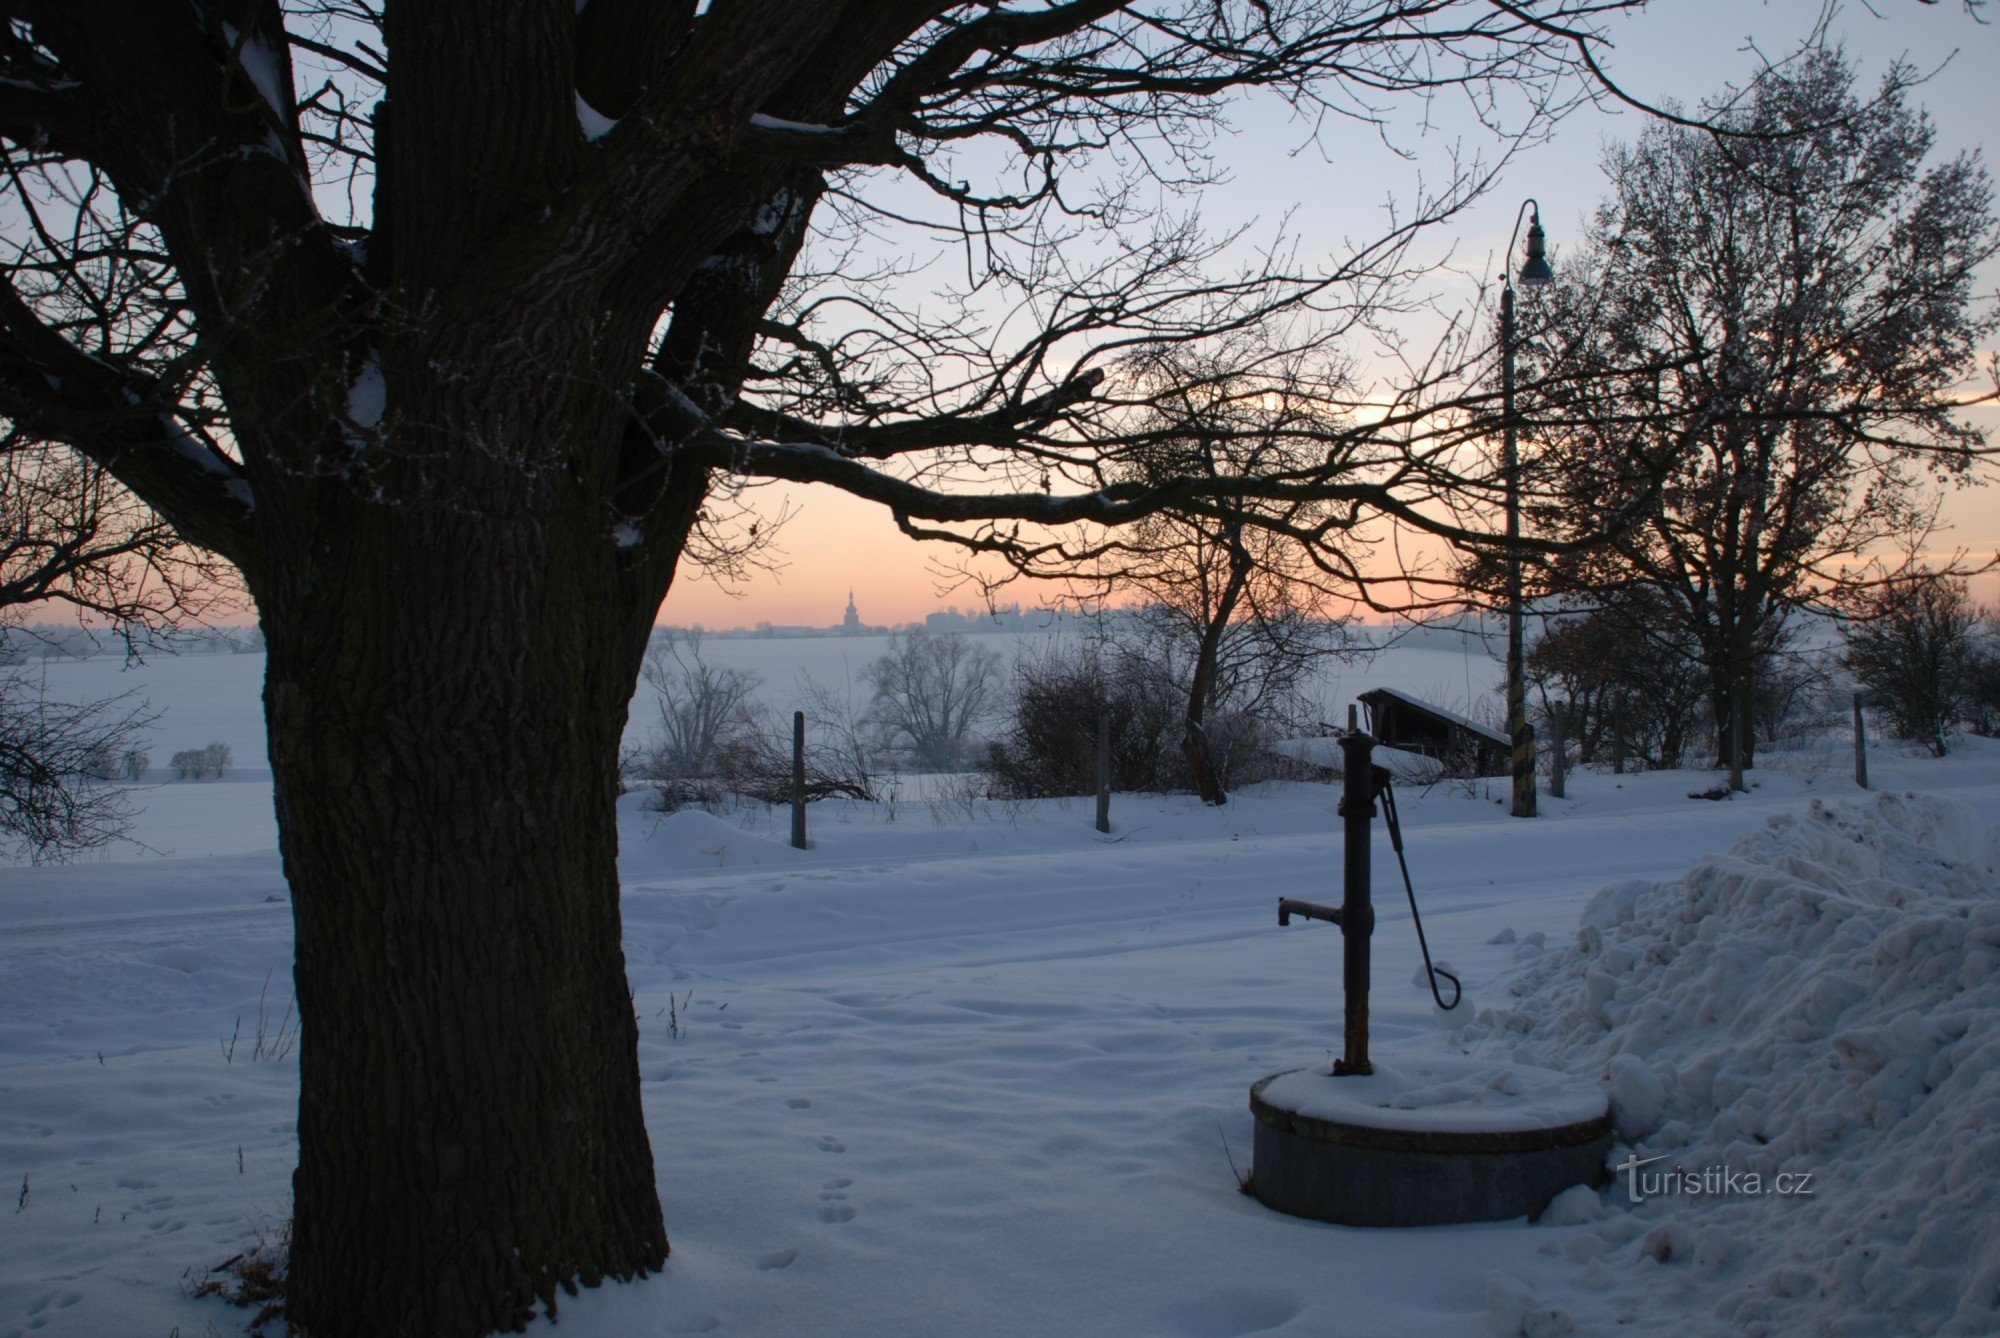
{"points": [[970, 1067]]}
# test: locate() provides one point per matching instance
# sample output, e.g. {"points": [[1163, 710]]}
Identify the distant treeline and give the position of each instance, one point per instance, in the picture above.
{"points": [[69, 641]]}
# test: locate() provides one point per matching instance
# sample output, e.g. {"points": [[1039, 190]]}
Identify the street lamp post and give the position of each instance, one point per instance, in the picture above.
{"points": [[1535, 272]]}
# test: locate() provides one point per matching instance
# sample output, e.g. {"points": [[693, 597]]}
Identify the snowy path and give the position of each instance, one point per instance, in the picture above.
{"points": [[965, 1071]]}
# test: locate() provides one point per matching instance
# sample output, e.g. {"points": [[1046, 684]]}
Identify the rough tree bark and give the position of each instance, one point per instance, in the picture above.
{"points": [[470, 1128], [445, 696]]}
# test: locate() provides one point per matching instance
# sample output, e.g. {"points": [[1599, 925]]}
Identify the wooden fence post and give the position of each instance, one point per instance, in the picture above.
{"points": [[1558, 717], [1860, 746], [799, 779], [1104, 771]]}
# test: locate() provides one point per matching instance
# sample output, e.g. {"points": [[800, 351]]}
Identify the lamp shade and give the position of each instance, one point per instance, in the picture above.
{"points": [[1535, 271]]}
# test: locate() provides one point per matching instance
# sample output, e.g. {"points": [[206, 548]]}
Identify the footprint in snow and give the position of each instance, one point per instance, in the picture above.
{"points": [[799, 1102], [776, 1259], [56, 1300], [831, 1144], [37, 1319], [833, 1205]]}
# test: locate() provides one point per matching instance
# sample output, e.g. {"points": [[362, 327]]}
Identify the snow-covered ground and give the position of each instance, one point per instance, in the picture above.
{"points": [[972, 1067]]}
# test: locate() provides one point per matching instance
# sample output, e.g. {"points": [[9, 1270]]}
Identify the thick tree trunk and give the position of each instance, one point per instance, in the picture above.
{"points": [[1721, 703], [447, 682], [470, 1131], [1731, 689]]}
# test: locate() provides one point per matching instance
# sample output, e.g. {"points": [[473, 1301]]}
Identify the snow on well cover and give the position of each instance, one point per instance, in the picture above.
{"points": [[1444, 1094], [1820, 1002]]}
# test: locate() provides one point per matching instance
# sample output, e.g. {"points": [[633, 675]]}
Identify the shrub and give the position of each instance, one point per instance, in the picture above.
{"points": [[1632, 683], [931, 692], [715, 744], [1910, 644], [1045, 743], [210, 763]]}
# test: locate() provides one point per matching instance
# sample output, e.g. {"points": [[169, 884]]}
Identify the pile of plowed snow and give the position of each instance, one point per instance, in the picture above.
{"points": [[1805, 1033]]}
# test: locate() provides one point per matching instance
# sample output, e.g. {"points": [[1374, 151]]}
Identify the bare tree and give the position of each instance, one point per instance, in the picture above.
{"points": [[1229, 594], [456, 328], [716, 744], [704, 712], [1782, 319], [1631, 678], [73, 540], [931, 692], [1911, 642], [54, 760]]}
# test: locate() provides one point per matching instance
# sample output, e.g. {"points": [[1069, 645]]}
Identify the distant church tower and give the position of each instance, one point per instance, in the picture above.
{"points": [[850, 625]]}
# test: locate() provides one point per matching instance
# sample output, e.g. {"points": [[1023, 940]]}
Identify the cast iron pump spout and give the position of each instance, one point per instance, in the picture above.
{"points": [[1310, 910]]}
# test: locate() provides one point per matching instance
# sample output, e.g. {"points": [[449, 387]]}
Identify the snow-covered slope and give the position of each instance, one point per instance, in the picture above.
{"points": [[1800, 1037]]}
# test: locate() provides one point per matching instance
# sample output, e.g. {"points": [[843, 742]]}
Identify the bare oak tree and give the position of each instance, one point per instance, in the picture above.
{"points": [[456, 327], [1782, 318]]}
